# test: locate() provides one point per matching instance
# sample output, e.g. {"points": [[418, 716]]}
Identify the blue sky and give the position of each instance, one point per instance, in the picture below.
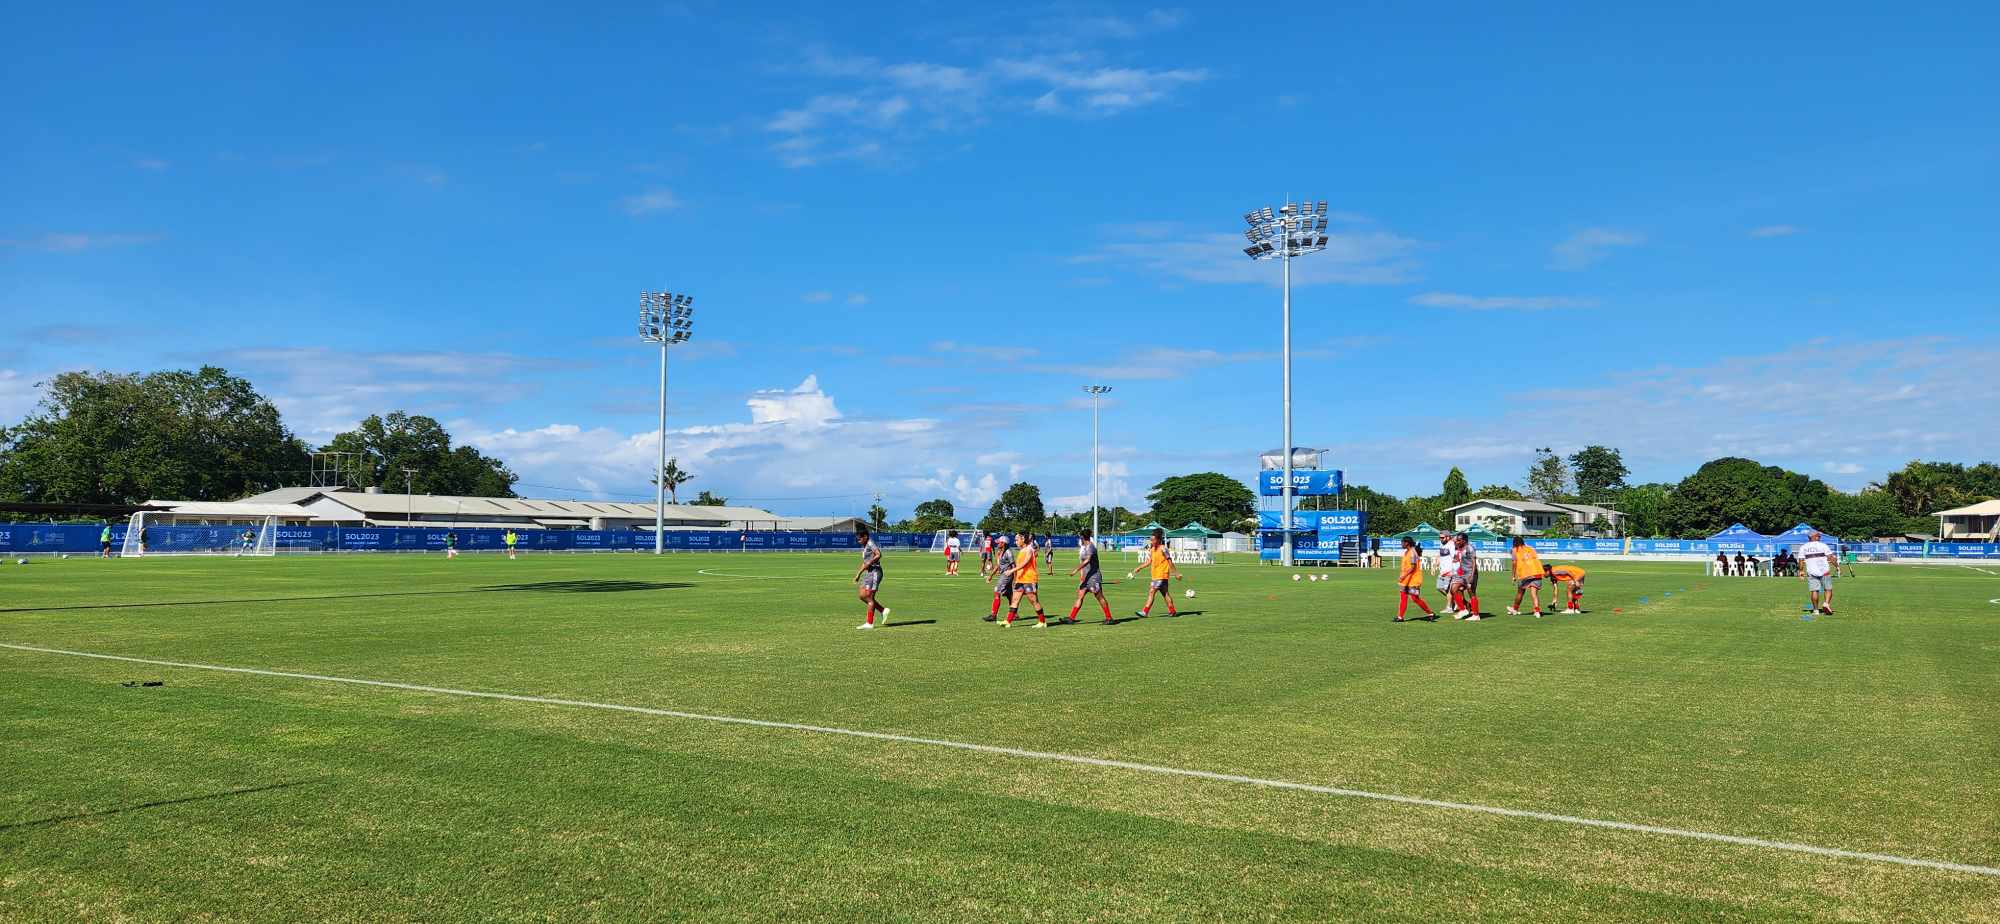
{"points": [[914, 231]]}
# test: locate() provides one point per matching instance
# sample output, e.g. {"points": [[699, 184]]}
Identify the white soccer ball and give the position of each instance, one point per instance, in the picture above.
{"points": [[1296, 577], [1190, 593], [65, 556], [20, 561]]}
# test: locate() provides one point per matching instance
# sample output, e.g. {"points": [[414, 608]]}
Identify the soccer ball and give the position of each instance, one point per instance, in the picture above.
{"points": [[1190, 593], [65, 556], [1296, 577], [20, 561]]}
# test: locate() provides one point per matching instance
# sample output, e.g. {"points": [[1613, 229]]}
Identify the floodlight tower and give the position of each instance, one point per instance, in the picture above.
{"points": [[1294, 230], [665, 318], [1095, 392]]}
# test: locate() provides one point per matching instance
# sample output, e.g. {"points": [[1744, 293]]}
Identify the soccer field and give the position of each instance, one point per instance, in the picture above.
{"points": [[1228, 765]]}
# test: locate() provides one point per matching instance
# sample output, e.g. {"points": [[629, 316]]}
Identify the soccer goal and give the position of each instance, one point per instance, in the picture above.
{"points": [[144, 536], [968, 541], [1181, 552]]}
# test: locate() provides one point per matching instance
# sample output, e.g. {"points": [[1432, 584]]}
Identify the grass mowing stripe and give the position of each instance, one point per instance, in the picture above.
{"points": [[1738, 840]]}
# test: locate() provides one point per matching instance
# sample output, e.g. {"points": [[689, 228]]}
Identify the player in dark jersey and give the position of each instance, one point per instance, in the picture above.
{"points": [[869, 577], [1093, 576], [1003, 572]]}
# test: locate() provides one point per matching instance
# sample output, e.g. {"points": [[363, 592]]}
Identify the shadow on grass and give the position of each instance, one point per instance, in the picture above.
{"points": [[909, 622], [59, 819], [542, 586], [582, 587]]}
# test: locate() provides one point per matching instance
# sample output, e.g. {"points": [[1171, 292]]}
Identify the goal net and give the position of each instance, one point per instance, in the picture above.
{"points": [[144, 535], [968, 541]]}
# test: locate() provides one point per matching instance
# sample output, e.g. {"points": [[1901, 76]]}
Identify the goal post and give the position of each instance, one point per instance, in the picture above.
{"points": [[968, 540], [144, 536]]}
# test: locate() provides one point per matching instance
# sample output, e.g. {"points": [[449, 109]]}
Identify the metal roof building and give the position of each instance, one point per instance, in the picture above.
{"points": [[373, 508]]}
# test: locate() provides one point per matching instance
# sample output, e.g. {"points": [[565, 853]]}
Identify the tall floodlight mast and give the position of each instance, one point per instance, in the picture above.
{"points": [[1096, 392], [1294, 230], [666, 319]]}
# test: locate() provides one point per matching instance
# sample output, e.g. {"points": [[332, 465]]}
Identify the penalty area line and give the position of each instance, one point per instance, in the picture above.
{"points": [[1056, 757]]}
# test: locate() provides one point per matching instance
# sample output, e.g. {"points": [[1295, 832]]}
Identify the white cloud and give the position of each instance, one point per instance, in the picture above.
{"points": [[1097, 89], [1843, 468], [17, 396], [650, 201], [1589, 246], [322, 392], [76, 241], [817, 297], [1775, 231], [1500, 302]]}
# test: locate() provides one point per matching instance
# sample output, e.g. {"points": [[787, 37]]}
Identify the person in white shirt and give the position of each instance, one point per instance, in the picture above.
{"points": [[1447, 569], [951, 552], [1816, 567]]}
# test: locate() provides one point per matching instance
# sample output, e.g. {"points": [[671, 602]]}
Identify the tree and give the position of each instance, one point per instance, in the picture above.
{"points": [[1456, 491], [1019, 509], [1921, 488], [389, 445], [1212, 498], [1386, 512], [1641, 504], [935, 514], [1549, 478], [1426, 510], [1559, 528], [878, 518], [115, 438], [706, 499], [1765, 498], [676, 476], [1866, 515], [1498, 492], [1600, 474]]}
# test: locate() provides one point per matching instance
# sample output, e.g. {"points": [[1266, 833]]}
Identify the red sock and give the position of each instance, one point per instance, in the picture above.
{"points": [[1073, 609], [1475, 603], [1402, 605], [1423, 606], [996, 605], [1107, 608]]}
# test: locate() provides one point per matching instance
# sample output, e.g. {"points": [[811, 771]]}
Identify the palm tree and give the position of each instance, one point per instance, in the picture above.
{"points": [[676, 476]]}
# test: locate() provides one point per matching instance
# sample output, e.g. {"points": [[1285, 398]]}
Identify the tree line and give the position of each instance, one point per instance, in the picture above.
{"points": [[207, 435]]}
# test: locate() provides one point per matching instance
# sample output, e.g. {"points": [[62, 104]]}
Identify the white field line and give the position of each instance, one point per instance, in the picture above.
{"points": [[1982, 570], [1064, 758]]}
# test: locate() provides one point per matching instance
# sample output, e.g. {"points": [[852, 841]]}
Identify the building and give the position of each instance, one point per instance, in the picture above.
{"points": [[1976, 523], [1533, 518], [371, 507]]}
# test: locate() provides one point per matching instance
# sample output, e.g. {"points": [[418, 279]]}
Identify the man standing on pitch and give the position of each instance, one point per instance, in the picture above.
{"points": [[1161, 564], [869, 578], [1527, 577], [1817, 560], [104, 541], [1093, 577], [1410, 582], [510, 537], [1465, 584]]}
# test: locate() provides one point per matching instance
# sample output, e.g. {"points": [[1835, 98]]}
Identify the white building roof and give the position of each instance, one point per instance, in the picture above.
{"points": [[1981, 509], [232, 509]]}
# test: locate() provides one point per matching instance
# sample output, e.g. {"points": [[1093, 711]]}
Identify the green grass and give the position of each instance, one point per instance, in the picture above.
{"points": [[244, 797]]}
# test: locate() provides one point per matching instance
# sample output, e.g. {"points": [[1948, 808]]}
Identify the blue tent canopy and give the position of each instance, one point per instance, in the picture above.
{"points": [[1797, 535], [1737, 532]]}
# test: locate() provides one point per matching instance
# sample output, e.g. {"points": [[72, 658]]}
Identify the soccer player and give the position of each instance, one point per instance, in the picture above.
{"points": [[1847, 560], [1162, 569], [246, 542], [1093, 577], [869, 577], [1573, 576], [510, 537], [104, 541], [1049, 549], [1527, 576], [985, 554], [1003, 573], [951, 552], [451, 544], [1026, 583], [1410, 583], [1466, 583], [1817, 572], [1447, 565]]}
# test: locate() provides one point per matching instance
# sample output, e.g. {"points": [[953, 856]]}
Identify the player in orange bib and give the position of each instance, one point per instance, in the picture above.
{"points": [[1161, 564], [1573, 576], [1527, 576], [1025, 581], [1410, 582]]}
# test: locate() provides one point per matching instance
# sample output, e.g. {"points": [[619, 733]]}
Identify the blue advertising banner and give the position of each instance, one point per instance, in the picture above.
{"points": [[1304, 483]]}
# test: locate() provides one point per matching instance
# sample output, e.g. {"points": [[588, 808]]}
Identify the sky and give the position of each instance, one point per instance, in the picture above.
{"points": [[913, 232]]}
